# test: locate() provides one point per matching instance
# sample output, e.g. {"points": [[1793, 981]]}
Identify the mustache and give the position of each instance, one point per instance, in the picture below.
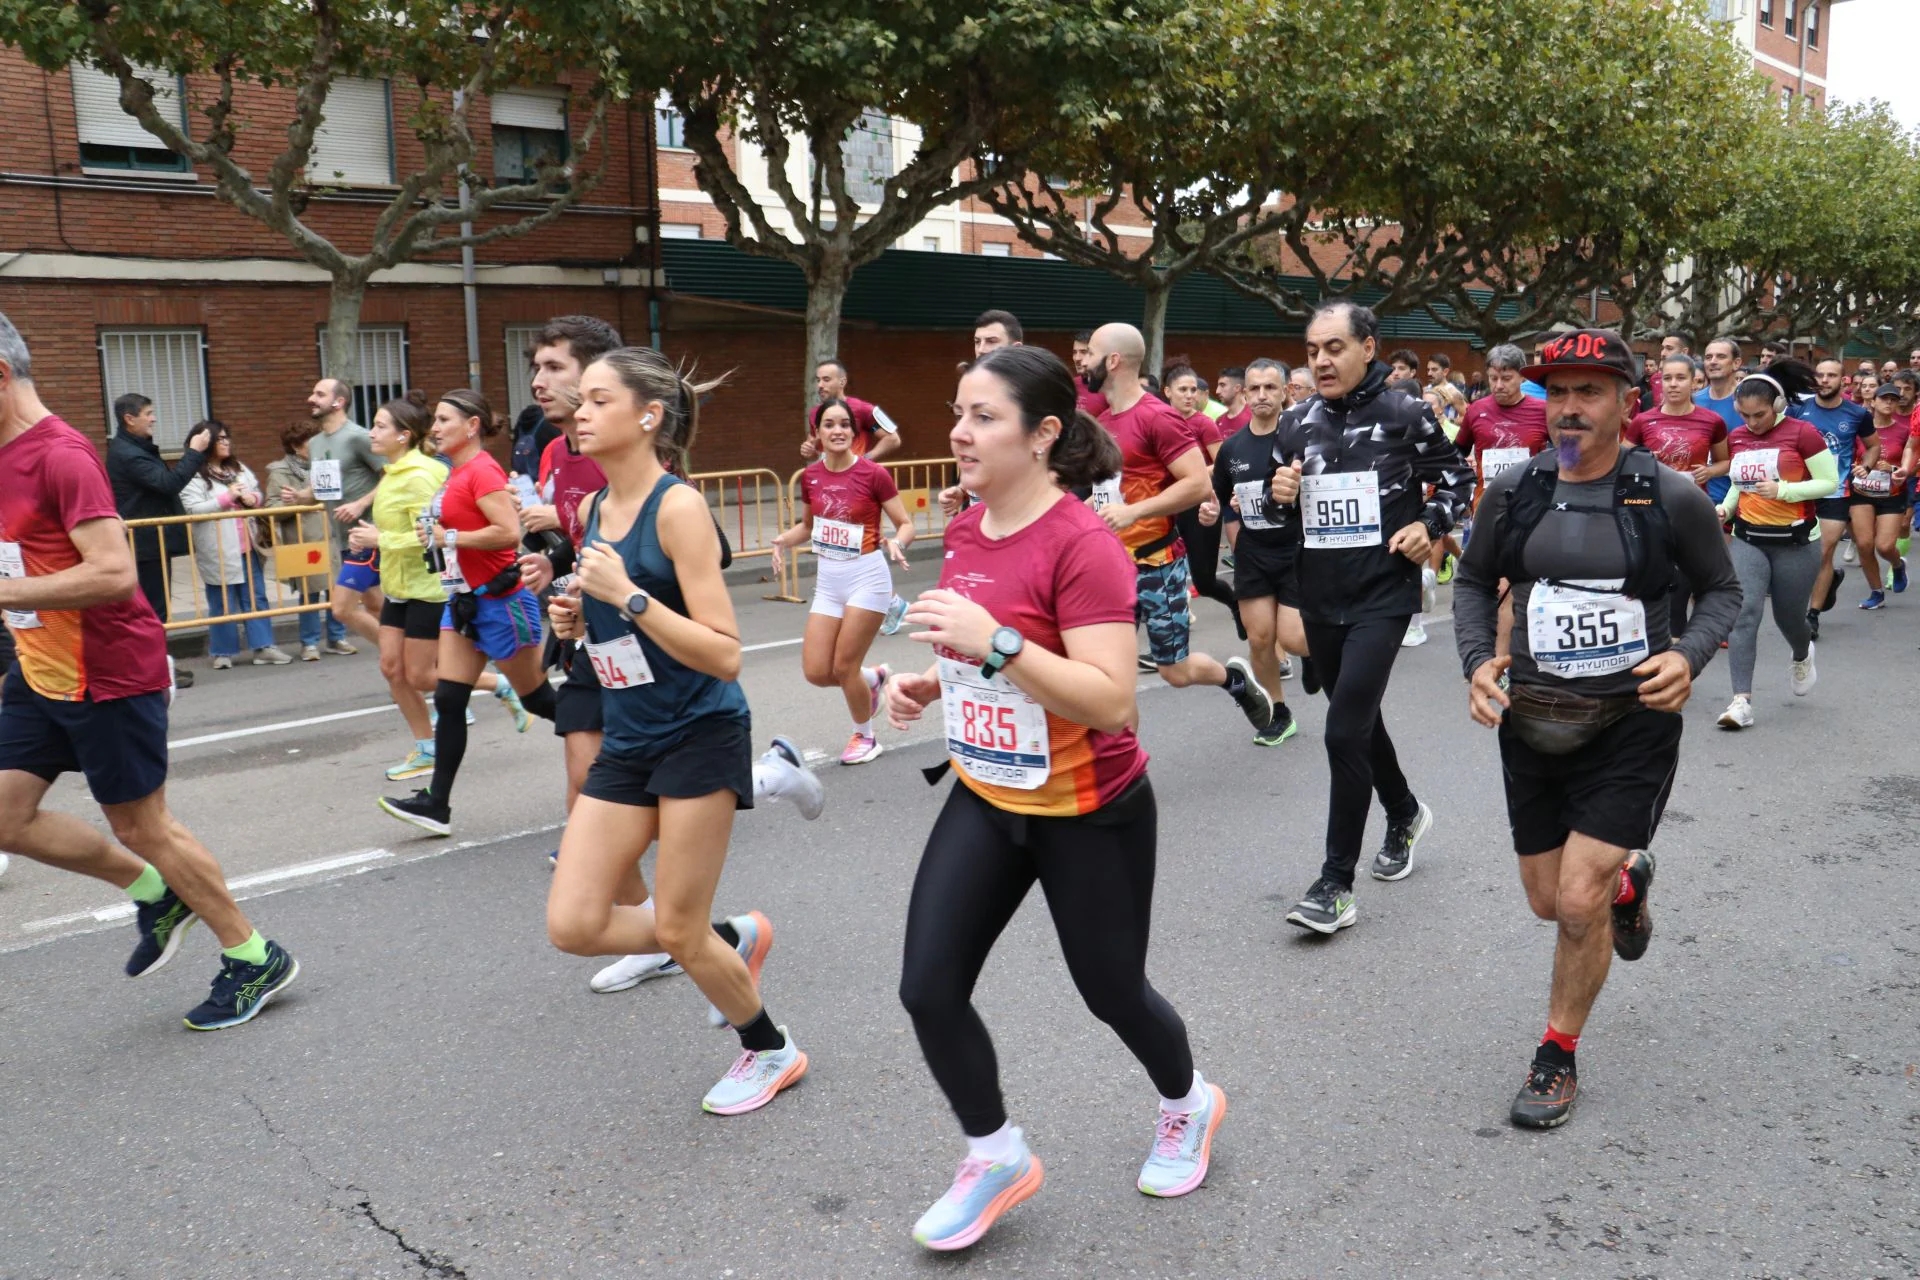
{"points": [[1570, 420]]}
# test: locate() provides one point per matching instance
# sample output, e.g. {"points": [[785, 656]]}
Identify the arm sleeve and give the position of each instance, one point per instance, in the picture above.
{"points": [[1703, 560], [884, 488], [1476, 583], [1824, 469], [1635, 432], [155, 476], [1223, 488], [80, 492], [1437, 461]]}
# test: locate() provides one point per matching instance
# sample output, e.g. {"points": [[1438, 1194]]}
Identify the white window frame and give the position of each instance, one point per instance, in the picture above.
{"points": [[668, 123], [165, 363], [534, 110], [100, 121], [682, 231], [361, 113], [996, 249], [518, 338], [383, 368]]}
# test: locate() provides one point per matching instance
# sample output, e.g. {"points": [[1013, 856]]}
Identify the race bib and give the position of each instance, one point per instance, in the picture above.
{"points": [[1341, 509], [1581, 629], [451, 579], [1106, 493], [1875, 484], [14, 565], [995, 733], [620, 664], [1753, 467], [1495, 461], [1253, 504], [836, 539], [326, 480]]}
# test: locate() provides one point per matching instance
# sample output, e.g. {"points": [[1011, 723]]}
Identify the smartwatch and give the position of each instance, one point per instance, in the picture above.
{"points": [[1005, 646], [636, 605]]}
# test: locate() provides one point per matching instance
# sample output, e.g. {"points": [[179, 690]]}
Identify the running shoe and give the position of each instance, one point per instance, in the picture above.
{"points": [[340, 647], [1447, 565], [1429, 580], [756, 1075], [1847, 554], [781, 774], [224, 663], [433, 715], [1633, 922], [1886, 577], [242, 990], [1284, 726], [1395, 858], [1804, 676], [861, 747], [1327, 908], [271, 657], [982, 1190], [1286, 668], [1545, 1101], [1182, 1146], [417, 764], [1900, 577], [1416, 635], [162, 926], [1251, 698], [878, 687], [1874, 600], [1833, 591], [630, 971], [1147, 666], [309, 653], [420, 810], [1813, 624], [755, 932], [1738, 715], [896, 613], [511, 701], [1226, 559]]}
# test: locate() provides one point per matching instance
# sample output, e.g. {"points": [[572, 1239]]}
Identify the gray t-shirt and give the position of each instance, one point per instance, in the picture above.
{"points": [[1579, 540], [346, 458]]}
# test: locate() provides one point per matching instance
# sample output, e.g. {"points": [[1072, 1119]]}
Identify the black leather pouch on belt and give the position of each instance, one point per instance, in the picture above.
{"points": [[1557, 723]]}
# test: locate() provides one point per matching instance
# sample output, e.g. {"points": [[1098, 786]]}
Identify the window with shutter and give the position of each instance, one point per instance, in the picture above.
{"points": [[354, 144], [112, 139], [520, 367], [669, 126], [168, 367], [529, 129], [383, 368]]}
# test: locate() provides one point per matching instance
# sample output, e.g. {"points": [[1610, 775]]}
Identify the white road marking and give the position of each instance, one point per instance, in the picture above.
{"points": [[771, 644]]}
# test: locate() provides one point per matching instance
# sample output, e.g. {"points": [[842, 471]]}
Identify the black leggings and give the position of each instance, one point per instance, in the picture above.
{"points": [[1353, 663], [1097, 873], [1203, 561]]}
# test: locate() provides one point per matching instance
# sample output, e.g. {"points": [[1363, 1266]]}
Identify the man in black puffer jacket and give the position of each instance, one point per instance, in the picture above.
{"points": [[1358, 458]]}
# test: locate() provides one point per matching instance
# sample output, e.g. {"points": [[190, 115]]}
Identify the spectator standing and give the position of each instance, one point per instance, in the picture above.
{"points": [[224, 552], [145, 487], [292, 473]]}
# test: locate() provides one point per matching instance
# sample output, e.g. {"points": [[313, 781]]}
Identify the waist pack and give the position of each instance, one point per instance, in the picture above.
{"points": [[1797, 534], [1555, 722], [463, 607]]}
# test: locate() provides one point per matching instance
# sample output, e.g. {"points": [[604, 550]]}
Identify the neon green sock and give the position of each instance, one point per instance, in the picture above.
{"points": [[1902, 546], [253, 950], [147, 886]]}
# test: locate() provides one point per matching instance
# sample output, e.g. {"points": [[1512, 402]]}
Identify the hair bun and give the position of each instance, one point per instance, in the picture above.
{"points": [[416, 397]]}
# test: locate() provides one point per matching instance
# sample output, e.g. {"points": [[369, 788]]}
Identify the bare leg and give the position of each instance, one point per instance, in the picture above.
{"points": [[399, 664], [58, 839], [1830, 531], [1575, 886], [358, 611], [149, 829], [857, 631], [1259, 617]]}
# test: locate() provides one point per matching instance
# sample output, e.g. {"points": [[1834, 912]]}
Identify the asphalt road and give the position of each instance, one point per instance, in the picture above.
{"points": [[440, 1094]]}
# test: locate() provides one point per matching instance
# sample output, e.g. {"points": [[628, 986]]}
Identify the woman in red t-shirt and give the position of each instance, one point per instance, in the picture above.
{"points": [[843, 496], [1033, 627], [471, 535]]}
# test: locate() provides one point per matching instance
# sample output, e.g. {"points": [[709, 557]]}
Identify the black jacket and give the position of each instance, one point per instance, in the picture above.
{"points": [[1396, 437], [145, 487]]}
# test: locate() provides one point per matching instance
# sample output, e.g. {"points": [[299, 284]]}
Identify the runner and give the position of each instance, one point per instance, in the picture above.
{"points": [[1845, 426], [343, 469], [843, 497], [1356, 460], [1878, 503], [88, 694], [1265, 547], [474, 528], [1403, 365], [1162, 472], [875, 435], [1187, 394], [995, 329], [1721, 364], [1299, 386], [1231, 390], [1590, 728], [1687, 436], [676, 760], [1033, 627], [1781, 466]]}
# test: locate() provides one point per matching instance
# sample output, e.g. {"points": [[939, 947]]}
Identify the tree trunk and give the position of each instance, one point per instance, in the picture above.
{"points": [[349, 290], [1153, 321], [826, 294]]}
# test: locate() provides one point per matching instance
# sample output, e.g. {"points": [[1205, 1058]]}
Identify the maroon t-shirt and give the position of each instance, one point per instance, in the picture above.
{"points": [[1488, 424], [1681, 440], [1152, 437], [1206, 432], [1232, 422], [567, 480], [854, 496]]}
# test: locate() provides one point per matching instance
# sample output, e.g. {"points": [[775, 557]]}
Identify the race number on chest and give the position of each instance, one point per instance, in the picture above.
{"points": [[995, 733], [1253, 504], [836, 539], [14, 565], [1753, 467], [1581, 629], [620, 664], [326, 480], [1106, 493], [1341, 509]]}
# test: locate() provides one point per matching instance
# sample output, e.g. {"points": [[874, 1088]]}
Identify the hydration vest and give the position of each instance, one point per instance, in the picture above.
{"points": [[1646, 532]]}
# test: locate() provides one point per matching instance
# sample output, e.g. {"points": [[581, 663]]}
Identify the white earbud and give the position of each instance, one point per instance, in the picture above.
{"points": [[647, 421]]}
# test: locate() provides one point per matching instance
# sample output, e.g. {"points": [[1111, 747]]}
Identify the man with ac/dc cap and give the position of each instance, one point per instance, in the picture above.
{"points": [[1590, 533]]}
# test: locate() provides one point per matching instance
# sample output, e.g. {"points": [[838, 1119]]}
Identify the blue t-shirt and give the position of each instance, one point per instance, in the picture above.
{"points": [[1718, 486], [1843, 425], [1532, 390]]}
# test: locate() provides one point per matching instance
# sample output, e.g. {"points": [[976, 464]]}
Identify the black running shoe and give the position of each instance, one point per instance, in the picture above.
{"points": [[242, 990], [1633, 923], [1813, 624], [1395, 859], [1327, 908], [1252, 699], [1147, 666], [1833, 590], [1545, 1101], [420, 810], [162, 925]]}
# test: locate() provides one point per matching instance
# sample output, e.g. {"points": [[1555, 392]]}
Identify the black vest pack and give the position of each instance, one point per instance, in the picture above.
{"points": [[1646, 532]]}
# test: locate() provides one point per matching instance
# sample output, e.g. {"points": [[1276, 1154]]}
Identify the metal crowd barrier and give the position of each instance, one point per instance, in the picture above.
{"points": [[919, 480], [273, 571], [752, 507]]}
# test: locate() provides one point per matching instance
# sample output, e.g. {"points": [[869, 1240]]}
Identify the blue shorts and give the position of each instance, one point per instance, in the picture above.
{"points": [[1161, 607], [507, 624], [359, 570], [119, 746]]}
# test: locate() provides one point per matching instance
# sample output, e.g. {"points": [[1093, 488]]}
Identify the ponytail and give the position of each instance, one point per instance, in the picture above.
{"points": [[1085, 453]]}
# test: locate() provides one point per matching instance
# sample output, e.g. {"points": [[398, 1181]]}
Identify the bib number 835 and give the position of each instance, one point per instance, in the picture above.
{"points": [[988, 726]]}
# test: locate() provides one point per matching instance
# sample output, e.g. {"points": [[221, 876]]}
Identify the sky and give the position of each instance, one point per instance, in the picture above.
{"points": [[1871, 54]]}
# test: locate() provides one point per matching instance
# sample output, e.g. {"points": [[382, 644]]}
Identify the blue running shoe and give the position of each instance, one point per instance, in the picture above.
{"points": [[1874, 600], [162, 925], [242, 990], [755, 1077], [511, 701], [980, 1193], [1900, 577], [1182, 1147], [896, 611]]}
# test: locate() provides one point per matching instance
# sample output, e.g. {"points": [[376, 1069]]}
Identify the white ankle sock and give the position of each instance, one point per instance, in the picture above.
{"points": [[1195, 1099], [1002, 1146], [864, 727]]}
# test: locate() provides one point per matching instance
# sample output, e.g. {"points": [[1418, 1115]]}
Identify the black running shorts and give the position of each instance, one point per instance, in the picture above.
{"points": [[1266, 573], [576, 703], [715, 754], [1612, 790]]}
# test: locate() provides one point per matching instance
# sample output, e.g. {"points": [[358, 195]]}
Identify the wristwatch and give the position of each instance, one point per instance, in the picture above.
{"points": [[636, 605], [1006, 645]]}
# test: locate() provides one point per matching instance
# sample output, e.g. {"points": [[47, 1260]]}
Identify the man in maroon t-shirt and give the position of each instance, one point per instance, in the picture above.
{"points": [[1231, 390], [89, 695], [1505, 427], [874, 434]]}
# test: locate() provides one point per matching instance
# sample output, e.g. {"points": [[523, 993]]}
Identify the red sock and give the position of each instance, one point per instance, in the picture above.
{"points": [[1626, 893], [1560, 1038]]}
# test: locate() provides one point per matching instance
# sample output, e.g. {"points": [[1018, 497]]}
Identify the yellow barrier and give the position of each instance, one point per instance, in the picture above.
{"points": [[919, 481], [265, 562], [752, 508]]}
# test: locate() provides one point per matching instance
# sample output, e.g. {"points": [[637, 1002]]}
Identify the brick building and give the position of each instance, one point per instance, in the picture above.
{"points": [[1788, 40]]}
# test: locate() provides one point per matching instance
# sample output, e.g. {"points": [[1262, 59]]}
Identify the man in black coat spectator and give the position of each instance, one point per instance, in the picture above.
{"points": [[144, 487]]}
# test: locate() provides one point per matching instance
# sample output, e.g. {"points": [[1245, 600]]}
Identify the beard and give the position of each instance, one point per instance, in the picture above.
{"points": [[1095, 377]]}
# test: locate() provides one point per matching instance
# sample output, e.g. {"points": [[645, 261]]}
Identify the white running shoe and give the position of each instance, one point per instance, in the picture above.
{"points": [[1847, 553], [781, 774], [1429, 584], [4, 860], [1804, 675], [271, 657], [630, 971], [1416, 634], [1739, 713], [309, 653]]}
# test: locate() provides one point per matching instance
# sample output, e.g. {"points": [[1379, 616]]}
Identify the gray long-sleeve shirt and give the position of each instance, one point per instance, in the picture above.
{"points": [[1578, 539]]}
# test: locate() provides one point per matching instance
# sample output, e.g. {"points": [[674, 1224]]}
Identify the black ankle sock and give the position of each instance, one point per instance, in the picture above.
{"points": [[728, 934], [450, 699], [539, 700], [1551, 1054], [761, 1035], [1236, 684]]}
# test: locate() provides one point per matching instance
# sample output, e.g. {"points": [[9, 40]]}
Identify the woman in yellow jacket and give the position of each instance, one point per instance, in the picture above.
{"points": [[415, 600]]}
